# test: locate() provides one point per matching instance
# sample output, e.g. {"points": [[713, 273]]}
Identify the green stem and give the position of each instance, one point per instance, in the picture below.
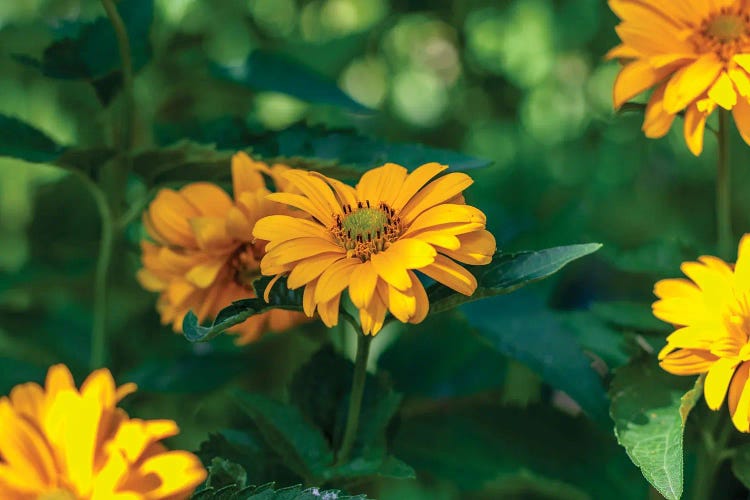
{"points": [[711, 455], [723, 194], [126, 134], [355, 399], [106, 245]]}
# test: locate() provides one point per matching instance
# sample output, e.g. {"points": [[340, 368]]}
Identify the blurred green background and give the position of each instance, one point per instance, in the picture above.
{"points": [[520, 83]]}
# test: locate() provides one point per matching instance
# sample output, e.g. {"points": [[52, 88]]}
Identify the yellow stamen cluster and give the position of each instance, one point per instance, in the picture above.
{"points": [[365, 230]]}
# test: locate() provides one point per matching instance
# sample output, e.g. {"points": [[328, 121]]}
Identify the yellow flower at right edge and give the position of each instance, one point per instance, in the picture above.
{"points": [[696, 56], [371, 238], [61, 443], [711, 311]]}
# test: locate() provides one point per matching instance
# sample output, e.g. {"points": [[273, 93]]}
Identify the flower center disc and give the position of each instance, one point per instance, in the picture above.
{"points": [[365, 230], [365, 224], [726, 28]]}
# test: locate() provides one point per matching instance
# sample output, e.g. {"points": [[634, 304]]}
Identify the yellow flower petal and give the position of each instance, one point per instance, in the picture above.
{"points": [[695, 124], [451, 275], [741, 115], [434, 193], [657, 121], [687, 362], [717, 381], [335, 279], [739, 398], [405, 254], [378, 184], [207, 199], [415, 181], [362, 284], [246, 174], [722, 92], [690, 82]]}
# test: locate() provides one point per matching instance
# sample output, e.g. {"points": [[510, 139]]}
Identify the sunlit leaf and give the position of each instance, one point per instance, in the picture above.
{"points": [[650, 407], [267, 492], [508, 272], [268, 71]]}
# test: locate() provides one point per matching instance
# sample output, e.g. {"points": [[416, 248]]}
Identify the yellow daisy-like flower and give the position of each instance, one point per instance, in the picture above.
{"points": [[59, 443], [696, 55], [202, 255], [371, 238], [711, 311]]}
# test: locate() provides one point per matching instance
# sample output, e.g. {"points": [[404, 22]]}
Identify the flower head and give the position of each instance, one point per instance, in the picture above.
{"points": [[61, 443], [711, 311], [202, 255], [696, 55], [371, 238]]}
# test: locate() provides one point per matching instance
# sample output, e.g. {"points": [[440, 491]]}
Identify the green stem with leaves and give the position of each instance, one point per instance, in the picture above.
{"points": [[723, 193], [355, 399]]}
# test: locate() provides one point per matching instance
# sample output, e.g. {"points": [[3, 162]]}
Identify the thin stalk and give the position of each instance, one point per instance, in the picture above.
{"points": [[723, 193], [125, 137], [355, 399], [711, 455], [106, 245]]}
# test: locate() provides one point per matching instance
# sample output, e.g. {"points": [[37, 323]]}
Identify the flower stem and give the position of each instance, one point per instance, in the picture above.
{"points": [[355, 399], [723, 194], [106, 245], [711, 455]]}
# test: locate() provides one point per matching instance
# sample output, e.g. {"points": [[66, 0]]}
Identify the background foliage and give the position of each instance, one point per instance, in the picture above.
{"points": [[504, 397]]}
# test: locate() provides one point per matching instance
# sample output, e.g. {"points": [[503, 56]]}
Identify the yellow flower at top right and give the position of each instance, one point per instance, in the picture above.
{"points": [[695, 54]]}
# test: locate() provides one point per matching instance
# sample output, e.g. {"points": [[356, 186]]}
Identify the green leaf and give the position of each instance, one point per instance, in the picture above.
{"points": [[649, 407], [189, 373], [741, 464], [267, 492], [321, 388], [268, 71], [522, 327], [467, 365], [629, 315], [223, 473], [509, 272], [472, 442], [280, 297], [21, 140], [89, 51], [183, 161], [300, 444], [337, 152]]}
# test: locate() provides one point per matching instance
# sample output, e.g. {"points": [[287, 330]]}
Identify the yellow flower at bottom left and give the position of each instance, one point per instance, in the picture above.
{"points": [[61, 443]]}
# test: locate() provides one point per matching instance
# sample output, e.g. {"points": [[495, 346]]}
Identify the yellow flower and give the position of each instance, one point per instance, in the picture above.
{"points": [[59, 443], [202, 255], [696, 53], [371, 238], [711, 311]]}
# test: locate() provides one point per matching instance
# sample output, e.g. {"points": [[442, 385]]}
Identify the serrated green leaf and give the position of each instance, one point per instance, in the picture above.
{"points": [[509, 272], [649, 407], [223, 472], [268, 71], [267, 492], [522, 327], [300, 444]]}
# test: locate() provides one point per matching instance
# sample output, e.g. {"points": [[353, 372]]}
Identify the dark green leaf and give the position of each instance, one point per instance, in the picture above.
{"points": [[598, 338], [474, 442], [268, 71], [337, 152], [182, 161], [507, 273], [188, 374], [300, 444], [522, 327], [467, 365], [89, 51], [267, 492], [223, 473], [21, 140], [629, 315], [280, 297], [649, 407]]}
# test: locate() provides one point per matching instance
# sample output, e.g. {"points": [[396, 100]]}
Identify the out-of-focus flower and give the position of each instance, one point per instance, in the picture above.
{"points": [[696, 56], [61, 443], [371, 238], [201, 254], [711, 311]]}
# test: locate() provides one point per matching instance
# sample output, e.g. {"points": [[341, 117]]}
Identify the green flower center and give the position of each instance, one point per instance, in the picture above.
{"points": [[365, 224], [726, 28], [366, 229]]}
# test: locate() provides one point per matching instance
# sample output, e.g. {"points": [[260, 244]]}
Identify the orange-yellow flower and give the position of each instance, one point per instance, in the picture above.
{"points": [[711, 311], [202, 255], [371, 238], [696, 55], [59, 443]]}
